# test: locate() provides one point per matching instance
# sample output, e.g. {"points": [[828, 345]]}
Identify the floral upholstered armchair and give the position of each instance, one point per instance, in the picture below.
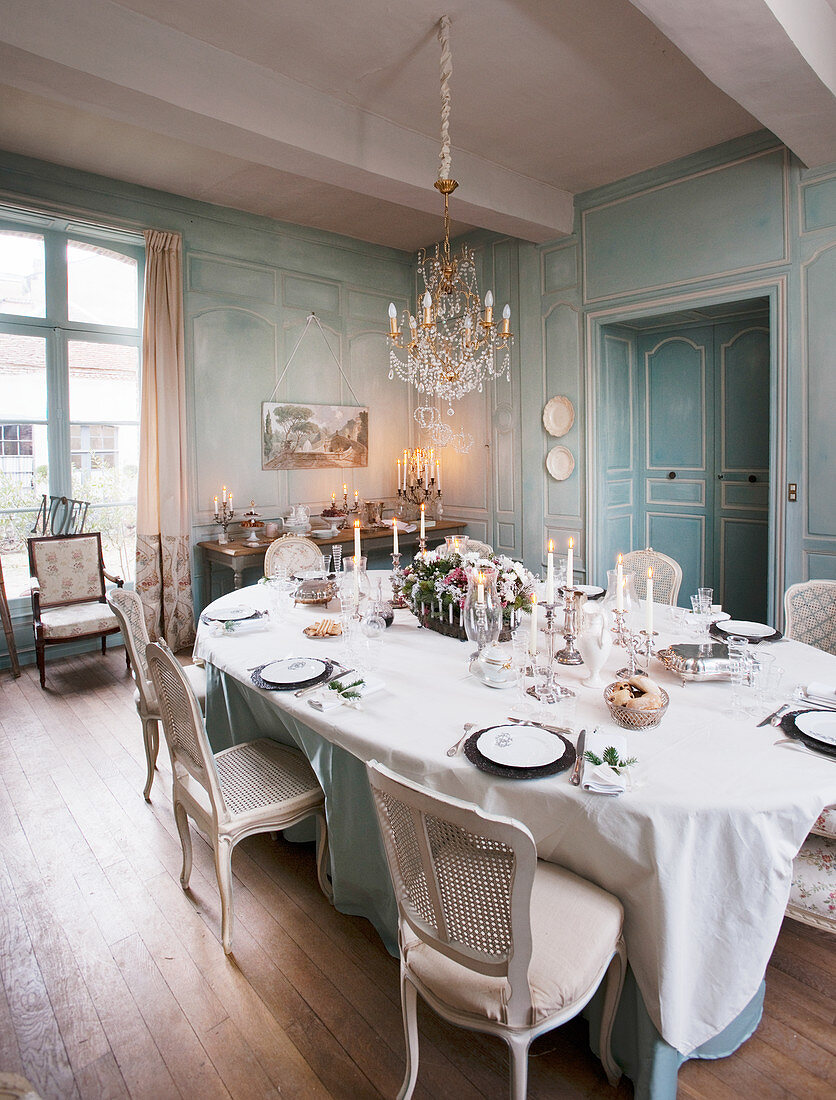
{"points": [[68, 592]]}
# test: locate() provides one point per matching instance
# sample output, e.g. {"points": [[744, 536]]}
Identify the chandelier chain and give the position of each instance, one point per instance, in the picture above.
{"points": [[446, 73]]}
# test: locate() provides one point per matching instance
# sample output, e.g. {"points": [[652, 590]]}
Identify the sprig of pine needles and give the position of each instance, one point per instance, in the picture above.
{"points": [[610, 756], [346, 691]]}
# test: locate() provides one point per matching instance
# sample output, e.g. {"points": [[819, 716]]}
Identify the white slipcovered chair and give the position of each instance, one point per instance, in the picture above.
{"points": [[474, 546], [255, 787], [68, 592], [810, 614], [127, 607], [667, 574], [292, 553], [492, 938]]}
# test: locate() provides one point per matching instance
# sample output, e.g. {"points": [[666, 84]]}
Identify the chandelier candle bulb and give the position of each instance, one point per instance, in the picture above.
{"points": [[505, 328], [550, 573], [619, 583], [650, 603], [488, 308], [428, 308], [393, 320]]}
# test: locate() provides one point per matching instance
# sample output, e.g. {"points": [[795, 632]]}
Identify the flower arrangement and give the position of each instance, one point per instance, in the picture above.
{"points": [[435, 586]]}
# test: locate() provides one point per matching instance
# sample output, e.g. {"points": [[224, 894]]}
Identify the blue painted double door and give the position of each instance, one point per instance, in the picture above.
{"points": [[685, 454]]}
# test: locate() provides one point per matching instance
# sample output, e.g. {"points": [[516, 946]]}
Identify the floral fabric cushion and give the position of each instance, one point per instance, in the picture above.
{"points": [[68, 569], [826, 822], [79, 618], [813, 891]]}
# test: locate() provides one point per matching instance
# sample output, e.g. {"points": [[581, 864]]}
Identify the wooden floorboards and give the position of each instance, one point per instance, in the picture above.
{"points": [[113, 982]]}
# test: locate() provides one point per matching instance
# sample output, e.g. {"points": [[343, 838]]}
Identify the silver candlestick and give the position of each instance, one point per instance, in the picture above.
{"points": [[397, 595], [569, 655], [633, 646], [620, 629], [550, 691], [224, 518]]}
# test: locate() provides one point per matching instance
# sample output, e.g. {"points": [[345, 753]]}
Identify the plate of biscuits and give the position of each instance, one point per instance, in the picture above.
{"points": [[324, 628]]}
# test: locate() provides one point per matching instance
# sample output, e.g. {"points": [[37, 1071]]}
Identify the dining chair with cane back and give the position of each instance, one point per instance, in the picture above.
{"points": [[474, 546], [667, 574], [127, 607], [68, 592], [488, 934], [255, 787], [292, 553], [810, 614]]}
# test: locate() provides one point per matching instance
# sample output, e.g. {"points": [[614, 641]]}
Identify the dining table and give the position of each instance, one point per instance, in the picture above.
{"points": [[699, 848]]}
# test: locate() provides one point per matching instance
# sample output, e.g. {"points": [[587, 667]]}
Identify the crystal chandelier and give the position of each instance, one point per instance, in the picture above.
{"points": [[454, 346]]}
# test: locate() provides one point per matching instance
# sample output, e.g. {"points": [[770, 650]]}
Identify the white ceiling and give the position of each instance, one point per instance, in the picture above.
{"points": [[326, 112]]}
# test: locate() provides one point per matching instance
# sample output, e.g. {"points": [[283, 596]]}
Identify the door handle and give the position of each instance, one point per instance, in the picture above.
{"points": [[752, 478], [720, 477]]}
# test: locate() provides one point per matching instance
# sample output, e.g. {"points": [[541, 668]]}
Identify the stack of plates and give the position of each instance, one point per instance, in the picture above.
{"points": [[814, 728], [519, 751], [742, 628], [232, 613], [292, 673]]}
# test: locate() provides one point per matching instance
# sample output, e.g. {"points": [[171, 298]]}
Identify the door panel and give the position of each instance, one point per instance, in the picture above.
{"points": [[742, 459], [618, 443], [678, 398]]}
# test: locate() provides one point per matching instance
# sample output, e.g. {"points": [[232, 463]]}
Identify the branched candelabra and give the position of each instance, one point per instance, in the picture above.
{"points": [[223, 517], [420, 482]]}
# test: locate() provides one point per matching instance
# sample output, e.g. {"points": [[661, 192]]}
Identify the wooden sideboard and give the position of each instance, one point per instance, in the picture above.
{"points": [[239, 555]]}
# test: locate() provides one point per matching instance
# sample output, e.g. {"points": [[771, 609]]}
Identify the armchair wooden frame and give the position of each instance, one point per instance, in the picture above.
{"points": [[40, 605]]}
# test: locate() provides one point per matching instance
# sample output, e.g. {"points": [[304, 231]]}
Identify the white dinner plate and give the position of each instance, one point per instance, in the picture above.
{"points": [[231, 614], [744, 629], [520, 746], [294, 670], [819, 727], [590, 590], [558, 415], [560, 462]]}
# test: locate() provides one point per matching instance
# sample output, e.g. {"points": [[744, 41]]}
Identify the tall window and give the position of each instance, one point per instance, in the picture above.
{"points": [[69, 381]]}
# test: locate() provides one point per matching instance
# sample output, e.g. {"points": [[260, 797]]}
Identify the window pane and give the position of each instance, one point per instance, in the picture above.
{"points": [[22, 377], [104, 444], [22, 274], [101, 286]]}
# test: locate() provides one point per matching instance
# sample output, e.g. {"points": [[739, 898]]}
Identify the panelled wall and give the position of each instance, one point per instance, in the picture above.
{"points": [[735, 223], [738, 222]]}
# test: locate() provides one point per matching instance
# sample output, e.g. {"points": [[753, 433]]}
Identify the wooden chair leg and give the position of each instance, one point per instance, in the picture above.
{"points": [[518, 1046], [39, 654], [104, 643], [612, 995], [323, 857]]}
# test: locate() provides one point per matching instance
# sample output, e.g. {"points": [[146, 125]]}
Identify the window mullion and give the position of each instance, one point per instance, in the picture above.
{"points": [[58, 421]]}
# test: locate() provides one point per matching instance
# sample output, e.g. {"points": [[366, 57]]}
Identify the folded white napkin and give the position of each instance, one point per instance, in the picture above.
{"points": [[819, 690], [600, 778], [402, 526], [327, 699], [242, 626]]}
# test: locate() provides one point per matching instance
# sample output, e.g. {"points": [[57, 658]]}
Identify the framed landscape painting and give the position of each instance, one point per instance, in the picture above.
{"points": [[313, 437]]}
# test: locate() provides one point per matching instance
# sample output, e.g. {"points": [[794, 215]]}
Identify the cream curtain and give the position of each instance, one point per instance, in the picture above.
{"points": [[163, 555]]}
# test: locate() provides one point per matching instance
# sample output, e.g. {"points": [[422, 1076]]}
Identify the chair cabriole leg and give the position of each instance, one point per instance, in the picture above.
{"points": [[518, 1047], [151, 739], [323, 857], [612, 995], [223, 869], [39, 654], [182, 820], [409, 1008]]}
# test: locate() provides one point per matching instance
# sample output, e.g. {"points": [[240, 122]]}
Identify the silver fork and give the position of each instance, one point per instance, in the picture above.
{"points": [[453, 750]]}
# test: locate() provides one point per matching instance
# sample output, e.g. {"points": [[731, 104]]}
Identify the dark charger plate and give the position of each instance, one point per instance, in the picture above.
{"points": [[562, 763], [724, 635], [791, 730], [265, 685]]}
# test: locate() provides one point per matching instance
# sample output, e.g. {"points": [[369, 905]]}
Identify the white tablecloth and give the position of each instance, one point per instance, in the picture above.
{"points": [[699, 851]]}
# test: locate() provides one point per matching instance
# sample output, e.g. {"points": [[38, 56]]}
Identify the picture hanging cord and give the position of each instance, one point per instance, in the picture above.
{"points": [[313, 317]]}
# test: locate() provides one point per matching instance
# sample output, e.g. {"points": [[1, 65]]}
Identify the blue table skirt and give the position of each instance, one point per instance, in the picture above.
{"points": [[362, 886]]}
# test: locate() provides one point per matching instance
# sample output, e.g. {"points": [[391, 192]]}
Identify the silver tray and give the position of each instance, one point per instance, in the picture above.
{"points": [[695, 662]]}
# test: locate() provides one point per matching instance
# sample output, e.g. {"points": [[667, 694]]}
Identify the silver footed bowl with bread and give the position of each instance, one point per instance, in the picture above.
{"points": [[637, 703]]}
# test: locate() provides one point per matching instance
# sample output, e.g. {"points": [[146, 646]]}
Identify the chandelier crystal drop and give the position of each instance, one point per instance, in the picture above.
{"points": [[455, 344]]}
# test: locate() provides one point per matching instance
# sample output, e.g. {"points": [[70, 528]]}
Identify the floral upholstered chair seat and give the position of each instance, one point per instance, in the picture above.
{"points": [[78, 619], [826, 822], [813, 891]]}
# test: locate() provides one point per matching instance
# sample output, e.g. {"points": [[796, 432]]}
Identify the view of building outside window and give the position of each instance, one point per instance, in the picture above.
{"points": [[69, 394]]}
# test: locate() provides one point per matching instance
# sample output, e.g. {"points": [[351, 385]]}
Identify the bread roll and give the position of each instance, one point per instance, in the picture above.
{"points": [[651, 701], [645, 684], [623, 697]]}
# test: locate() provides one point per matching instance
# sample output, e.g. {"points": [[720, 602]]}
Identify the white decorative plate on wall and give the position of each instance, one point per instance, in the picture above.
{"points": [[560, 462], [558, 416]]}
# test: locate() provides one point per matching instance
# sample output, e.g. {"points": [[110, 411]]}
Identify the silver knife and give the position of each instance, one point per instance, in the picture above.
{"points": [[323, 683], [774, 714], [575, 778]]}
